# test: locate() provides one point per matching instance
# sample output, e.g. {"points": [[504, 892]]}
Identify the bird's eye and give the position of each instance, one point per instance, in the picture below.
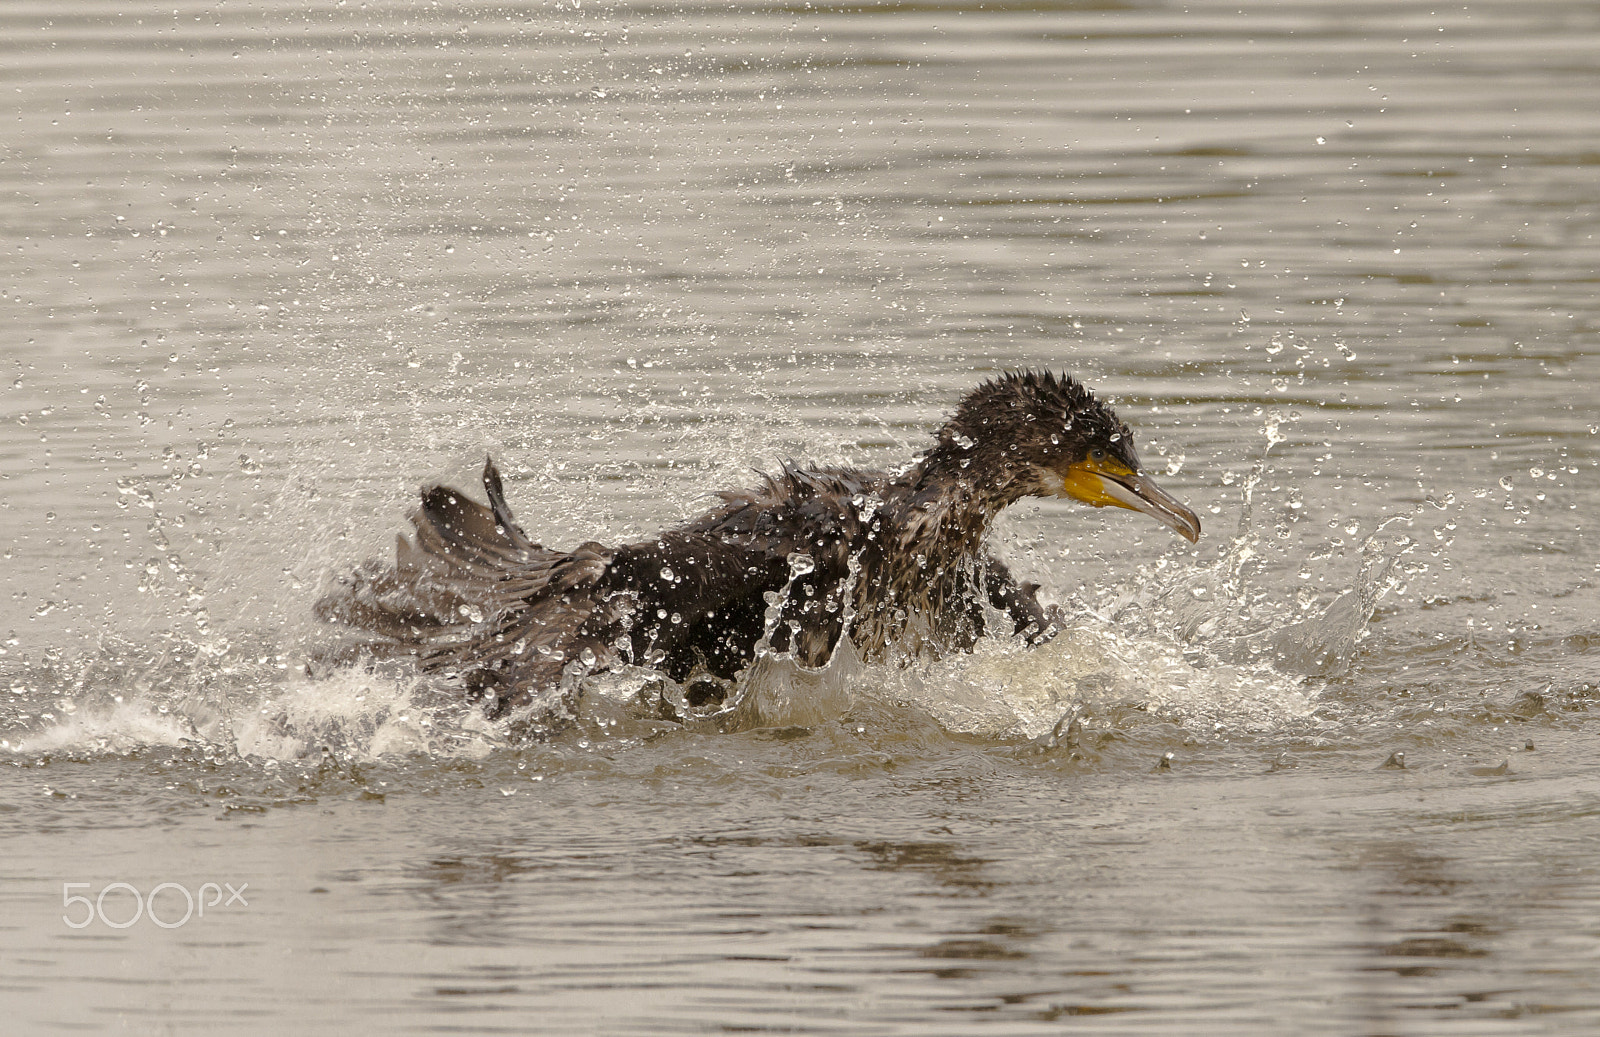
{"points": [[1098, 453]]}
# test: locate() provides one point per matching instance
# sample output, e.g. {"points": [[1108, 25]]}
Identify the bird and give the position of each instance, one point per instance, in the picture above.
{"points": [[895, 561]]}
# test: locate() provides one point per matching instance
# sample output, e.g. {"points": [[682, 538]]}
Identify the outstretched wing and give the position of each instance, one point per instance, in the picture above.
{"points": [[470, 595]]}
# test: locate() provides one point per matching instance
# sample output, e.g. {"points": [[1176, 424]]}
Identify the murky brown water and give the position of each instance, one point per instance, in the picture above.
{"points": [[268, 267]]}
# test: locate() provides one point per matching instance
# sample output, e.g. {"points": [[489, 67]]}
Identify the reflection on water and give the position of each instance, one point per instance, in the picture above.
{"points": [[270, 267], [779, 904]]}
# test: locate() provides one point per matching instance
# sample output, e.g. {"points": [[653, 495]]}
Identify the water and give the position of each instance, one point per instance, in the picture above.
{"points": [[269, 267]]}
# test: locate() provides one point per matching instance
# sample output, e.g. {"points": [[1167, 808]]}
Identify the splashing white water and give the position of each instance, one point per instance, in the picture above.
{"points": [[1003, 690], [120, 728], [363, 716], [353, 713]]}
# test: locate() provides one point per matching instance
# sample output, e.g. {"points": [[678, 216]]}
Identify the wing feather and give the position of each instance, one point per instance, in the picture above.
{"points": [[470, 595]]}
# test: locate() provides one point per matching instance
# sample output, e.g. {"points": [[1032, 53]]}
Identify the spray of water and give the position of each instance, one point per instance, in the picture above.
{"points": [[1197, 644]]}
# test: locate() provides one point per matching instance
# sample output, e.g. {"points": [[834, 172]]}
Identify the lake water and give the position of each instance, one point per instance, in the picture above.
{"points": [[269, 267]]}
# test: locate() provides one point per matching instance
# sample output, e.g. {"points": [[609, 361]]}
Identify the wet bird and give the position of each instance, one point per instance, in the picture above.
{"points": [[895, 561]]}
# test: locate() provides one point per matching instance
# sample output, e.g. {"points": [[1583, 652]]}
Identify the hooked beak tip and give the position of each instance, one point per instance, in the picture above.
{"points": [[1142, 494]]}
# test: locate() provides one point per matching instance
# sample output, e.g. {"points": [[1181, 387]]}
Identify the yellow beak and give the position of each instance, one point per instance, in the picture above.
{"points": [[1109, 482]]}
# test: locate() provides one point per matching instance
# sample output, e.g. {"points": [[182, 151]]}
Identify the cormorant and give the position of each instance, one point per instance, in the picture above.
{"points": [[896, 561]]}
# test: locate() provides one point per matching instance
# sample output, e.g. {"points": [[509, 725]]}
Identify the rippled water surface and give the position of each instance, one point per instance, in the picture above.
{"points": [[268, 267]]}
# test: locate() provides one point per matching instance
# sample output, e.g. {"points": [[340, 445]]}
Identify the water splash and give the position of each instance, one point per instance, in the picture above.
{"points": [[122, 727], [359, 715], [240, 704], [1005, 690], [1198, 645], [777, 691]]}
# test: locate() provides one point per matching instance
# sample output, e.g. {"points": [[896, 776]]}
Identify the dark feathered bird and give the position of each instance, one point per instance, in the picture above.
{"points": [[897, 562]]}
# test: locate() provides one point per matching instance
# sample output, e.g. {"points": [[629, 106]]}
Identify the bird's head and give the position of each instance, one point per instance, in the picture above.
{"points": [[1044, 435]]}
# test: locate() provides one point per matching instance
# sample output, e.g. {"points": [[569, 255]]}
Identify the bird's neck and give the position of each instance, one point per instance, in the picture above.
{"points": [[952, 498]]}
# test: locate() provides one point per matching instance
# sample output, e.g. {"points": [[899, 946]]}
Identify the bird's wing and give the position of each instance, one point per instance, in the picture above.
{"points": [[701, 590], [471, 595]]}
